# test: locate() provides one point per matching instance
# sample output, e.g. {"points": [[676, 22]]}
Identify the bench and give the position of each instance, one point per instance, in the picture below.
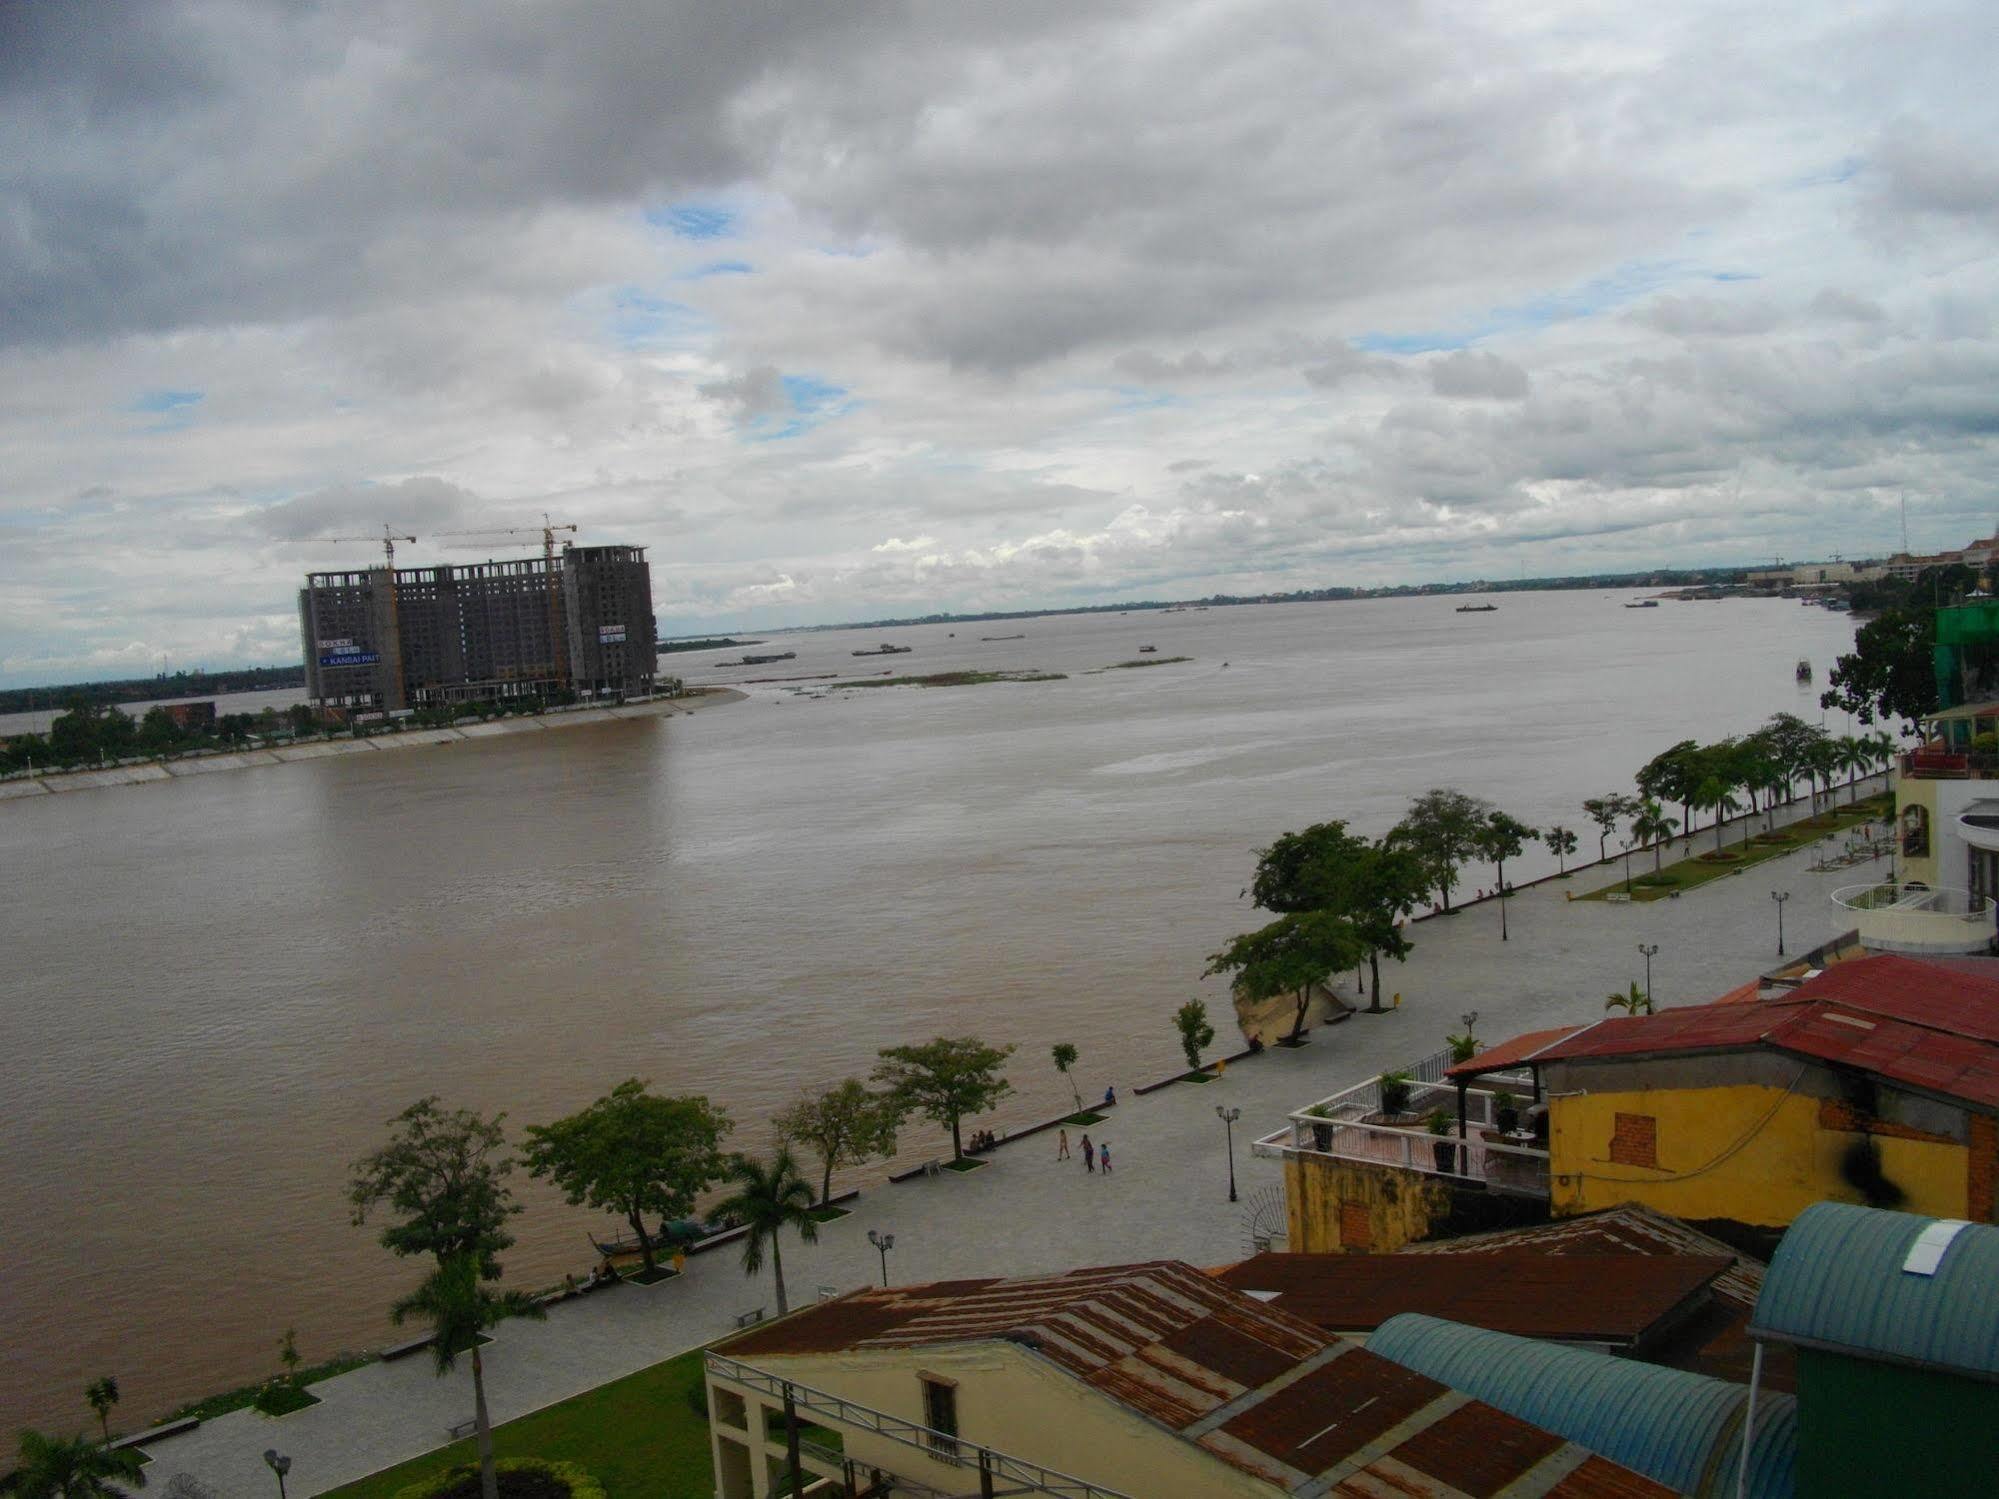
{"points": [[933, 1167], [463, 1429], [750, 1318]]}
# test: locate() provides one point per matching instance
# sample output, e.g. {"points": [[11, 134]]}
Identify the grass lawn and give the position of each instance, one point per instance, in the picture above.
{"points": [[1700, 867], [1087, 1117], [967, 1164], [1197, 1077], [638, 1436]]}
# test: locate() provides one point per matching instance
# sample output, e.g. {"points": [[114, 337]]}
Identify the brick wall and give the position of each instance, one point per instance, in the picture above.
{"points": [[1634, 1140]]}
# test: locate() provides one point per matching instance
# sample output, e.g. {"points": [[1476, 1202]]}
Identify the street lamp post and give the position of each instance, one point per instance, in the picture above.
{"points": [[1228, 1118], [1649, 949], [279, 1464], [883, 1244], [1780, 896]]}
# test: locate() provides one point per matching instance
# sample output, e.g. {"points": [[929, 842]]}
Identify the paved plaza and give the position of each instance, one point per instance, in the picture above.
{"points": [[1027, 1213]]}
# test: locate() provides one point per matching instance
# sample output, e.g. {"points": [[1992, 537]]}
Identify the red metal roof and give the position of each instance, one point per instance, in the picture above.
{"points": [[1577, 1298], [1511, 1052], [1255, 1386], [1929, 994]]}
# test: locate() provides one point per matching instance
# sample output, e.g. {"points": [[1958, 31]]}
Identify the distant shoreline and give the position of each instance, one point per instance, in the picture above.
{"points": [[146, 772]]}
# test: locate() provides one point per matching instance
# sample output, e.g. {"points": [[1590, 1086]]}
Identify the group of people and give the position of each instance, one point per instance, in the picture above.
{"points": [[1095, 1156], [982, 1141]]}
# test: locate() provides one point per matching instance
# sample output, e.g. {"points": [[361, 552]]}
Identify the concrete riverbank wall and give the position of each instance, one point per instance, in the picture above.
{"points": [[140, 773]]}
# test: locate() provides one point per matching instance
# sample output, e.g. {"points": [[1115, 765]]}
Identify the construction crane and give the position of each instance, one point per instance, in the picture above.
{"points": [[557, 645], [388, 539]]}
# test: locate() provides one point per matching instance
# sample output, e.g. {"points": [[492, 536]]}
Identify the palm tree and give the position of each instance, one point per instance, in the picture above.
{"points": [[1561, 843], [1714, 795], [767, 1198], [1636, 1002], [1821, 760], [1653, 826], [1855, 755], [1065, 1058], [459, 1307], [102, 1395], [72, 1468]]}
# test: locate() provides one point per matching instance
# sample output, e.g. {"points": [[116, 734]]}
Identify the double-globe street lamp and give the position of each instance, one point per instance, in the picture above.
{"points": [[279, 1464], [883, 1244], [1649, 949], [1780, 896], [1228, 1118]]}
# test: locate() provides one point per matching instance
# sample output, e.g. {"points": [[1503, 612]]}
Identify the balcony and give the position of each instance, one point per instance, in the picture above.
{"points": [[1917, 919], [1351, 1126]]}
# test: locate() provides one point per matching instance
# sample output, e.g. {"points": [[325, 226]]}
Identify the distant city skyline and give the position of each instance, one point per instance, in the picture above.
{"points": [[857, 311]]}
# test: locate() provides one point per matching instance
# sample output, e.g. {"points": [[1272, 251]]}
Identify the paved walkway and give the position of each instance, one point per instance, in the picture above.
{"points": [[1027, 1213]]}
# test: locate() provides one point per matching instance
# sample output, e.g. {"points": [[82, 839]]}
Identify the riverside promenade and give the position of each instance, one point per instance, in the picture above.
{"points": [[1025, 1212]]}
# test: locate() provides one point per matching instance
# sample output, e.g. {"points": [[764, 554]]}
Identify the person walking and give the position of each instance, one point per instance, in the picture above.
{"points": [[1089, 1155], [1061, 1145], [1104, 1157]]}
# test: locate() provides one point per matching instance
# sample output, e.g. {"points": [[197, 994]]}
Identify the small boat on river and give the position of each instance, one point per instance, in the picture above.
{"points": [[1147, 650], [766, 660], [887, 650], [1644, 604], [1804, 671], [1478, 608]]}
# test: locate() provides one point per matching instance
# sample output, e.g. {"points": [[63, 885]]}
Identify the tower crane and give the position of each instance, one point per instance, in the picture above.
{"points": [[388, 539], [557, 644]]}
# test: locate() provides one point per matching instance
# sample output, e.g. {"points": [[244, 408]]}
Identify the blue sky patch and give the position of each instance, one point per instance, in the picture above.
{"points": [[813, 403], [161, 402], [1615, 288], [694, 220], [719, 268], [640, 319]]}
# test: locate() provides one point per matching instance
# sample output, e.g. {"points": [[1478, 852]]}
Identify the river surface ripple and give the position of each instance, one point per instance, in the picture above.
{"points": [[217, 989]]}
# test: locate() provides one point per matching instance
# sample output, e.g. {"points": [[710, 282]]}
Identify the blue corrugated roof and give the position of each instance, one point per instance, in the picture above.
{"points": [[1837, 1280], [1681, 1429]]}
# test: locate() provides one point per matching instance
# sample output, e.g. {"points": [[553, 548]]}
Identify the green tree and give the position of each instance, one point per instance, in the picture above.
{"points": [[1671, 775], [1821, 764], [288, 1355], [1653, 826], [1191, 1020], [1561, 843], [443, 1177], [158, 732], [1634, 1002], [1441, 828], [102, 1395], [1890, 672], [945, 1079], [1853, 756], [1289, 956], [767, 1199], [1064, 1056], [1606, 812], [72, 1468], [633, 1153], [1499, 838], [1717, 796], [1325, 868], [458, 1308], [845, 1125]]}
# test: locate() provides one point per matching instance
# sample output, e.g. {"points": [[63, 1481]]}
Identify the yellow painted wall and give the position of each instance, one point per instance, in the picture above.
{"points": [[1401, 1205], [1923, 794], [1018, 1403], [1782, 1161]]}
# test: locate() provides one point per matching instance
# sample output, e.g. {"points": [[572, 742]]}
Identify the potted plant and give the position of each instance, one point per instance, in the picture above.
{"points": [[1395, 1093], [1442, 1147], [1464, 1045], [1322, 1134], [1505, 1113]]}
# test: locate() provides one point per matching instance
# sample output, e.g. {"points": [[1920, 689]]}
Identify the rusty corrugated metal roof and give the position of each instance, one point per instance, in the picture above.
{"points": [[1258, 1388], [1614, 1299]]}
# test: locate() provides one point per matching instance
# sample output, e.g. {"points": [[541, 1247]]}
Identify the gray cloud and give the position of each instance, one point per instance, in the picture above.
{"points": [[261, 265]]}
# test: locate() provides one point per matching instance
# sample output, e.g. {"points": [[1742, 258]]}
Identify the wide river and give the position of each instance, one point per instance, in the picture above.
{"points": [[218, 989]]}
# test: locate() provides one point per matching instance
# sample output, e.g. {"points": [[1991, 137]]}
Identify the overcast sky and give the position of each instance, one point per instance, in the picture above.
{"points": [[857, 309]]}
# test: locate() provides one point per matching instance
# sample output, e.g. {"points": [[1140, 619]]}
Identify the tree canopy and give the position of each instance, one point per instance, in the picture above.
{"points": [[1191, 1020], [72, 1468], [1441, 830], [442, 1177], [1289, 956], [768, 1198], [633, 1153], [945, 1079], [844, 1125], [1890, 671]]}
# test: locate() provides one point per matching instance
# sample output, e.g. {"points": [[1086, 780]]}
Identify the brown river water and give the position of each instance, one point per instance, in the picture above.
{"points": [[216, 990]]}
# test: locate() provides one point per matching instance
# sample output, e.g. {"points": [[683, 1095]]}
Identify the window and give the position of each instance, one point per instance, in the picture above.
{"points": [[940, 1414]]}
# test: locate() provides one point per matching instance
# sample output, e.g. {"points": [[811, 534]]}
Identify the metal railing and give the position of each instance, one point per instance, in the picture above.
{"points": [[1021, 1476]]}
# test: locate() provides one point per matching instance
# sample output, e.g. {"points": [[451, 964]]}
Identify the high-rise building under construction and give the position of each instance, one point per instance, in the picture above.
{"points": [[384, 639]]}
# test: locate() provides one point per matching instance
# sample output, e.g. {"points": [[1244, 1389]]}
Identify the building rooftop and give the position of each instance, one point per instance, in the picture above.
{"points": [[1252, 1385], [1910, 1022], [1683, 1430], [1892, 1286], [1609, 1299]]}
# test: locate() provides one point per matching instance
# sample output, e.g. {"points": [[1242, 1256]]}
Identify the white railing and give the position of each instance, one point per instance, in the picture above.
{"points": [[1915, 919]]}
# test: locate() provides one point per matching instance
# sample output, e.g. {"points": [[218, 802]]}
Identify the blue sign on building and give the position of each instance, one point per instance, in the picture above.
{"points": [[350, 658]]}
